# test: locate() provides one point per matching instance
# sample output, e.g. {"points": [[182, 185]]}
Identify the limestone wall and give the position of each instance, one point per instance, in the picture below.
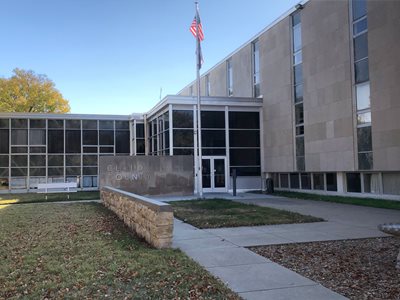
{"points": [[148, 218], [148, 175]]}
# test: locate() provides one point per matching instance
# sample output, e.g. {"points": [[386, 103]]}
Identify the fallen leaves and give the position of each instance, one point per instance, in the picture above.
{"points": [[358, 269]]}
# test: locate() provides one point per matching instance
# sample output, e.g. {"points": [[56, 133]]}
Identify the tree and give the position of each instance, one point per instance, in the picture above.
{"points": [[27, 91]]}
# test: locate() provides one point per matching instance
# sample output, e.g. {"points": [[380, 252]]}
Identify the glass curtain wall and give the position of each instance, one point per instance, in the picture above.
{"points": [[36, 151], [244, 143], [159, 135]]}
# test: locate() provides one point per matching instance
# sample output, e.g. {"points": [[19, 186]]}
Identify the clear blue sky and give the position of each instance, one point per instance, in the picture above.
{"points": [[112, 56]]}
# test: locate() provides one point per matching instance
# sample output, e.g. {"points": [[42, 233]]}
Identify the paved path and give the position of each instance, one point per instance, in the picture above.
{"points": [[222, 252]]}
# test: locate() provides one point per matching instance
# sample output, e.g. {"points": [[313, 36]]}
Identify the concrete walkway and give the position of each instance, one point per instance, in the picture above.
{"points": [[222, 252]]}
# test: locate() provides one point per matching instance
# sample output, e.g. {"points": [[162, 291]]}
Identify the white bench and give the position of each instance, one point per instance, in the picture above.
{"points": [[57, 187]]}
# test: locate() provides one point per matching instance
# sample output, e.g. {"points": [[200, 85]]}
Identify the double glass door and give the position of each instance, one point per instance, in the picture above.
{"points": [[214, 174]]}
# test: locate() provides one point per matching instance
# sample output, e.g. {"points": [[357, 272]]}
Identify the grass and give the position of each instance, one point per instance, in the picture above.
{"points": [[82, 251], [52, 197], [371, 202], [216, 213]]}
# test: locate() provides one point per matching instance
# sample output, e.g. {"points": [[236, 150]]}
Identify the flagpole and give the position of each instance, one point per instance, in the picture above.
{"points": [[198, 62]]}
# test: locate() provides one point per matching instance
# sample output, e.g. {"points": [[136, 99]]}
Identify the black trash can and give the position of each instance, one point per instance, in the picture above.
{"points": [[269, 183]]}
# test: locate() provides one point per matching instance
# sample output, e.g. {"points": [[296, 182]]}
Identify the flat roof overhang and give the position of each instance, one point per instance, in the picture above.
{"points": [[205, 102], [64, 116]]}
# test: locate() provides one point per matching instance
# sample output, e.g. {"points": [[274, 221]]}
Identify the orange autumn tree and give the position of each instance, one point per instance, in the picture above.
{"points": [[27, 91]]}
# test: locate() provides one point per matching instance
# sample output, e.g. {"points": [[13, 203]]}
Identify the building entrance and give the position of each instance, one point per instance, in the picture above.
{"points": [[214, 174]]}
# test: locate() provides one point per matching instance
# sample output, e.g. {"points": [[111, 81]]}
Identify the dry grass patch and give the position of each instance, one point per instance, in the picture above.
{"points": [[216, 213], [82, 251], [52, 197]]}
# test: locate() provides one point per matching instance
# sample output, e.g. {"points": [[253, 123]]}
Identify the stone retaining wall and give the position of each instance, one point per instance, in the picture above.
{"points": [[148, 218]]}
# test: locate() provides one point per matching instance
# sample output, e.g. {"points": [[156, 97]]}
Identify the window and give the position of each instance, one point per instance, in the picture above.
{"points": [[182, 118], [318, 182], [123, 125], [139, 130], [229, 77], [73, 141], [360, 26], [391, 183], [37, 137], [305, 181], [244, 136], [4, 123], [256, 69], [371, 183], [4, 161], [213, 119], [37, 123], [298, 92], [364, 118], [19, 137], [363, 96], [90, 137], [362, 70], [122, 141], [244, 120], [365, 160], [106, 137], [5, 142], [89, 124], [37, 160], [359, 8], [109, 125], [56, 160], [297, 37], [56, 141], [73, 124], [212, 138], [284, 180], [19, 123], [294, 181], [55, 124], [183, 138], [73, 160], [90, 160], [353, 182], [208, 85], [331, 184], [19, 160]]}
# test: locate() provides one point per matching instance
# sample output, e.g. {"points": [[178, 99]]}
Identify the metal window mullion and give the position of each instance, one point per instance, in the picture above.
{"points": [[29, 157], [9, 155], [65, 146]]}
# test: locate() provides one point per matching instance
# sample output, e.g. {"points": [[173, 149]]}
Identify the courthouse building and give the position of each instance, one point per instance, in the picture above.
{"points": [[312, 101]]}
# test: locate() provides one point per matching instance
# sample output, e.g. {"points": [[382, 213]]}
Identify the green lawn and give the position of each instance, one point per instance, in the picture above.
{"points": [[82, 251], [52, 197], [379, 203], [216, 213]]}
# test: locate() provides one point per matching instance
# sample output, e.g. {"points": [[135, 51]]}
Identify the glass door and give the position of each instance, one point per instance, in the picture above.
{"points": [[214, 174]]}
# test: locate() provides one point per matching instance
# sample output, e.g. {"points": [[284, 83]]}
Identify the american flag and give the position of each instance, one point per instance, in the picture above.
{"points": [[193, 27], [200, 37]]}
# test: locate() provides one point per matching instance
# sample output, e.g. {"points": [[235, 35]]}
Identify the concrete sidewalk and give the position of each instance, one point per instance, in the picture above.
{"points": [[221, 251], [250, 275]]}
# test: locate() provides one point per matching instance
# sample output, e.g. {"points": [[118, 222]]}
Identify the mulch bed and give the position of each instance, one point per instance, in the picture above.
{"points": [[357, 269]]}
